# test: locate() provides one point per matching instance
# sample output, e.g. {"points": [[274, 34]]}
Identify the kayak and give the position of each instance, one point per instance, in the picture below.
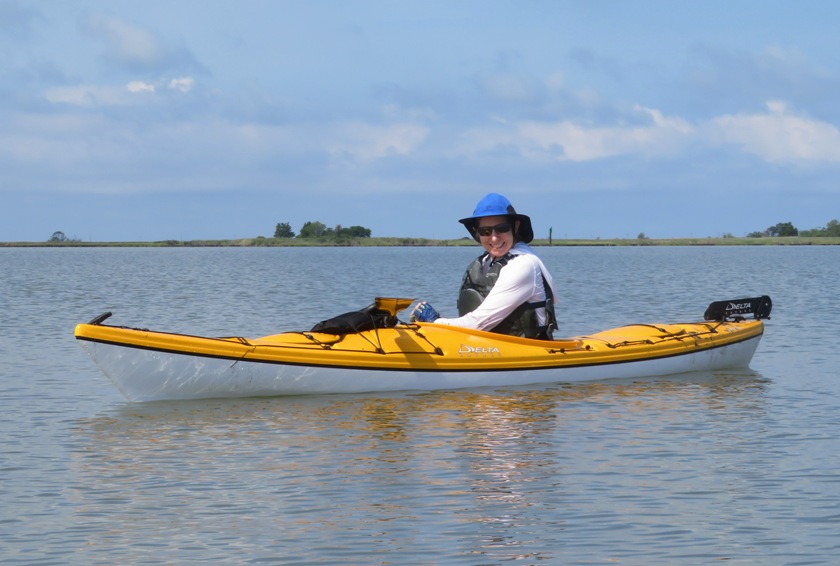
{"points": [[371, 350]]}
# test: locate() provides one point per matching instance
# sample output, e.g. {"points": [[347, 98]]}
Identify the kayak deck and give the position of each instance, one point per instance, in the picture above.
{"points": [[430, 347]]}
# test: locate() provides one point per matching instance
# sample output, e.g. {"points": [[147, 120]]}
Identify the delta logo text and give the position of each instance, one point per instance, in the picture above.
{"points": [[478, 351], [738, 306]]}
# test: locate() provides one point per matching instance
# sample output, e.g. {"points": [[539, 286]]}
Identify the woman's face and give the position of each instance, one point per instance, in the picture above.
{"points": [[496, 234]]}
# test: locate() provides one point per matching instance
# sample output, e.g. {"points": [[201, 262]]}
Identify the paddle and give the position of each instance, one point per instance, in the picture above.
{"points": [[759, 307]]}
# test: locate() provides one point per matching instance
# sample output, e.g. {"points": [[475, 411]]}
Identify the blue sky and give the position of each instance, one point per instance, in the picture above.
{"points": [[202, 119]]}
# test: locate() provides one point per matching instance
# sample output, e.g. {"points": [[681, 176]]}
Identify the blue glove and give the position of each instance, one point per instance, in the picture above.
{"points": [[424, 312]]}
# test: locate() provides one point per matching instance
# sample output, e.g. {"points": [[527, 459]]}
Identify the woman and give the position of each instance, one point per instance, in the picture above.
{"points": [[507, 289]]}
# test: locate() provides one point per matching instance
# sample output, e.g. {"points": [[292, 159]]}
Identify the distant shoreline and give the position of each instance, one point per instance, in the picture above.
{"points": [[424, 242]]}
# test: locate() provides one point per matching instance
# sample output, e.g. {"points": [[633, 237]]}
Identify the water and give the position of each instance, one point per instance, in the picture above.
{"points": [[736, 467]]}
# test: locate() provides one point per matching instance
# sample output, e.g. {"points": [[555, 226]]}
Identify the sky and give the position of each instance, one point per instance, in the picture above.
{"points": [[208, 119]]}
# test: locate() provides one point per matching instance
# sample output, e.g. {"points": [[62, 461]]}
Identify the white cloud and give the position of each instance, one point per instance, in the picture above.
{"points": [[367, 141], [219, 153], [776, 136], [182, 84], [779, 137], [344, 142], [98, 95], [140, 86], [569, 141]]}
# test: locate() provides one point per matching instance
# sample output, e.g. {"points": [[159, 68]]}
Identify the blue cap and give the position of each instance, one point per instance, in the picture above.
{"points": [[497, 205]]}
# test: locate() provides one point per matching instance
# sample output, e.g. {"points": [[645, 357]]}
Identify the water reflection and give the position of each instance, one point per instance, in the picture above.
{"points": [[499, 473]]}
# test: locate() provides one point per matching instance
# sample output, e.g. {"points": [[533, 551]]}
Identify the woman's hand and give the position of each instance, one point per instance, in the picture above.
{"points": [[424, 312]]}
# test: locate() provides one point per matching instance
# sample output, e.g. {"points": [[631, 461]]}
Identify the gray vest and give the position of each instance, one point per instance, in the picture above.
{"points": [[480, 279]]}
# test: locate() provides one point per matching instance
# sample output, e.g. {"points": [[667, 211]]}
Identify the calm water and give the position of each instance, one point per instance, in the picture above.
{"points": [[728, 467]]}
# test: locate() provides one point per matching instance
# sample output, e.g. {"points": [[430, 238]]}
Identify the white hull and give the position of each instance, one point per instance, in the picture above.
{"points": [[148, 375]]}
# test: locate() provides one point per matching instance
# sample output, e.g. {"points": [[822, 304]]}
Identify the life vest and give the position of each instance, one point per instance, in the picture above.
{"points": [[479, 279]]}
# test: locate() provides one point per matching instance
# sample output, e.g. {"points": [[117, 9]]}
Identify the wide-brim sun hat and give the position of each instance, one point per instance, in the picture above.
{"points": [[497, 205]]}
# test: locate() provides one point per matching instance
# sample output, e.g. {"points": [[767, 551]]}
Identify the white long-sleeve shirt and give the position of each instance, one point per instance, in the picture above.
{"points": [[520, 281]]}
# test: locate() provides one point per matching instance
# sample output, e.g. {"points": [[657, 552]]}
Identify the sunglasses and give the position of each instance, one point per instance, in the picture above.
{"points": [[485, 231]]}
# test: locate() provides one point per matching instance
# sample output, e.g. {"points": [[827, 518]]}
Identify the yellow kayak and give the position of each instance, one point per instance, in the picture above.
{"points": [[371, 350]]}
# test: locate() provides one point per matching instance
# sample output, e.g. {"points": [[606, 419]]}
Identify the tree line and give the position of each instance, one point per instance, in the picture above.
{"points": [[320, 230], [832, 229], [59, 236]]}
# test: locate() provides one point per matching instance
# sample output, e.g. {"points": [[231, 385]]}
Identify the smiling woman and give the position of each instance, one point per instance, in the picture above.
{"points": [[507, 289]]}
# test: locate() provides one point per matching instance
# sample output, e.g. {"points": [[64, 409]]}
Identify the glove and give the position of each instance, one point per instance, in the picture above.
{"points": [[424, 312]]}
